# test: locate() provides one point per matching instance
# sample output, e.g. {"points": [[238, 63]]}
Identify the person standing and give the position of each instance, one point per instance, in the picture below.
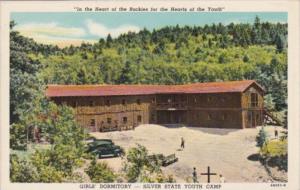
{"points": [[276, 133], [182, 143], [195, 177]]}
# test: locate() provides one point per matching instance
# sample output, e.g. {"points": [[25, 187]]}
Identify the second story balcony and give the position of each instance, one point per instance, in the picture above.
{"points": [[171, 106]]}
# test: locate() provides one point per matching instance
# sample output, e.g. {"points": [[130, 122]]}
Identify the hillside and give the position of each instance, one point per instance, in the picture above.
{"points": [[169, 55]]}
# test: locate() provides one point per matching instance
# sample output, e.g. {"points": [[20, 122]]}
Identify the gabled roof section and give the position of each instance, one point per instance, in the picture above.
{"points": [[118, 90]]}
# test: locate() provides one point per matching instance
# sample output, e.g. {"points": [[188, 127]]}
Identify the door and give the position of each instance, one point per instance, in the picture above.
{"points": [[251, 119]]}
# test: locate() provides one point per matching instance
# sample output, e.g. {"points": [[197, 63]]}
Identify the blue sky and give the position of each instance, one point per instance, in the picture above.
{"points": [[71, 28]]}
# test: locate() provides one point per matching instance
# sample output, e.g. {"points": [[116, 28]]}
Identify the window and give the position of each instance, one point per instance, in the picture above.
{"points": [[91, 103], [139, 118], [169, 100], [222, 99], [153, 100], [208, 116], [138, 101], [74, 104], [209, 99], [92, 122], [224, 116], [109, 120], [124, 119], [254, 100], [107, 102], [195, 99], [123, 102]]}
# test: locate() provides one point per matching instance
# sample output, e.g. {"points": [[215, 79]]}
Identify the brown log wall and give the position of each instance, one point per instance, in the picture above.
{"points": [[221, 110]]}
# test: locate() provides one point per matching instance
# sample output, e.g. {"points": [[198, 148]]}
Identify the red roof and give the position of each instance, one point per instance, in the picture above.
{"points": [[115, 90]]}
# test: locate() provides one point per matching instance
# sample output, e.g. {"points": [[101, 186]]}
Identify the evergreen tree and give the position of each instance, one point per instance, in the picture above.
{"points": [[109, 41], [261, 138], [280, 43]]}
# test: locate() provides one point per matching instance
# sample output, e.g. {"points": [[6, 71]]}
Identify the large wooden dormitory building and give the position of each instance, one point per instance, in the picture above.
{"points": [[235, 104]]}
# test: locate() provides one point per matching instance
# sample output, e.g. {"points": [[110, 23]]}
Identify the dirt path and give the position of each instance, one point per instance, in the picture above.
{"points": [[224, 150]]}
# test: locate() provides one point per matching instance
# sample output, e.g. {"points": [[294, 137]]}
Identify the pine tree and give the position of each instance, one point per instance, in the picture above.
{"points": [[280, 43], [261, 138], [109, 41]]}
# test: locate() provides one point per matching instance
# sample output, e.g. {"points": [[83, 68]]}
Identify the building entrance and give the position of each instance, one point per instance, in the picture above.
{"points": [[171, 117]]}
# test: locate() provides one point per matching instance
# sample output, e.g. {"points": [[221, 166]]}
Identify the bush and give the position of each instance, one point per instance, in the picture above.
{"points": [[49, 174], [138, 167], [275, 154], [275, 148], [22, 170], [43, 161], [100, 172]]}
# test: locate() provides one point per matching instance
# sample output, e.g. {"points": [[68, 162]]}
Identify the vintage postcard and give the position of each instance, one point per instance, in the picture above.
{"points": [[149, 95]]}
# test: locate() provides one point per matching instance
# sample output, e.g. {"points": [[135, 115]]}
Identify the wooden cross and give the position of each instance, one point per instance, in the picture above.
{"points": [[208, 174]]}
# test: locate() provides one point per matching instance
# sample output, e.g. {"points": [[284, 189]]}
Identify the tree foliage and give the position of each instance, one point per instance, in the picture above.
{"points": [[138, 167], [100, 172]]}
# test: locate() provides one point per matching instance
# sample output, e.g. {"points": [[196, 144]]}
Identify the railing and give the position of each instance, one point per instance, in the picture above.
{"points": [[122, 127], [172, 105]]}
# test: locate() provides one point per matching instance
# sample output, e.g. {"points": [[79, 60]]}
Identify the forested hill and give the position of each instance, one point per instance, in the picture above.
{"points": [[169, 55], [173, 55]]}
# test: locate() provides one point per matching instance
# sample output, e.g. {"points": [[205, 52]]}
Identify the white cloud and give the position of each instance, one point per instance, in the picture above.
{"points": [[53, 33], [49, 29], [100, 30]]}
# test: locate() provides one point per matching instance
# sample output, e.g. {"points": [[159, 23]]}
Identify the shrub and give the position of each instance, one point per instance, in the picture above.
{"points": [[43, 161], [138, 166], [22, 170], [100, 172], [275, 154], [275, 148]]}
